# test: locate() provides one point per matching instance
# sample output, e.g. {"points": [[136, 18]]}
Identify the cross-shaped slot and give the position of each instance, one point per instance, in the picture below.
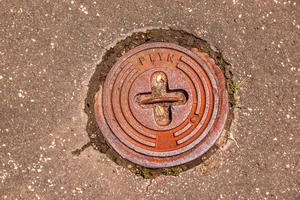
{"points": [[161, 99]]}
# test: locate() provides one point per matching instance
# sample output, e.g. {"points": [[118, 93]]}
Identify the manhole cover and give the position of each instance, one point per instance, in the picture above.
{"points": [[162, 105]]}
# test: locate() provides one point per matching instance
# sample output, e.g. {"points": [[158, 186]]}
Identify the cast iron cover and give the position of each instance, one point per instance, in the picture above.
{"points": [[162, 105]]}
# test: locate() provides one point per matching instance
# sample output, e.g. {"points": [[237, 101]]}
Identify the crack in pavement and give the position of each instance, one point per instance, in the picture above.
{"points": [[77, 152]]}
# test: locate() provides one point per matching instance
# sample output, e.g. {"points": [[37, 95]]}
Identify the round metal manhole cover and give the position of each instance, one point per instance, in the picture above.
{"points": [[162, 105]]}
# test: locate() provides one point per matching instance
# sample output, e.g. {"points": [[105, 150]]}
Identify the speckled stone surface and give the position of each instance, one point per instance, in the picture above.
{"points": [[49, 50]]}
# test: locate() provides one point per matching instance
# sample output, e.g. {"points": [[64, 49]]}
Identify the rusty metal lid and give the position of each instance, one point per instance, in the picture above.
{"points": [[162, 105]]}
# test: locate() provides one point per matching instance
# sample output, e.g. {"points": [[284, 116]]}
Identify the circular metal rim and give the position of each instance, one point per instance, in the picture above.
{"points": [[203, 146]]}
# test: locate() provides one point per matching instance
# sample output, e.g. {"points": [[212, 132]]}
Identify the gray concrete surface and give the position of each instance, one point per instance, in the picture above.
{"points": [[49, 50]]}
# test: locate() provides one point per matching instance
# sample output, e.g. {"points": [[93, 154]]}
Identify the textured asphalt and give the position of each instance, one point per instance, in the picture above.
{"points": [[49, 50]]}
